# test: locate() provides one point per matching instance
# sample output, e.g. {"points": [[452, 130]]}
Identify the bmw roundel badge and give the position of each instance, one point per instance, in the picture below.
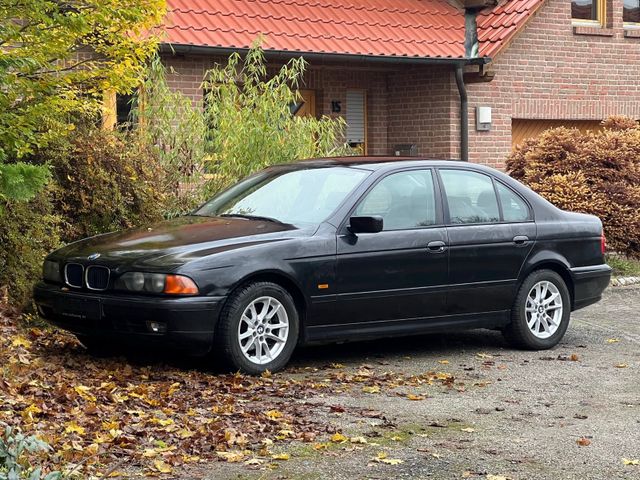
{"points": [[93, 256]]}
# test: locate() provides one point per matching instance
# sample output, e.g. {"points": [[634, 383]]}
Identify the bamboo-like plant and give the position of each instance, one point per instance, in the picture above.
{"points": [[250, 122]]}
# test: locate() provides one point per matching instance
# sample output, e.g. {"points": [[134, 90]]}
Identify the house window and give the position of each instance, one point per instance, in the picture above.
{"points": [[631, 11], [124, 105], [357, 119], [588, 11]]}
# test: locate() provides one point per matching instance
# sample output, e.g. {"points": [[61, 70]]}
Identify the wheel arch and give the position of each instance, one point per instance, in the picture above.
{"points": [[285, 281], [556, 265]]}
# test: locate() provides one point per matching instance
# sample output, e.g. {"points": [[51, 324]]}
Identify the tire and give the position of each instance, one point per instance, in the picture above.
{"points": [[525, 331], [97, 347], [238, 319]]}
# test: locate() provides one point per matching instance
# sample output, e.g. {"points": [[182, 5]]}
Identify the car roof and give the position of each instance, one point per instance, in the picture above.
{"points": [[382, 162]]}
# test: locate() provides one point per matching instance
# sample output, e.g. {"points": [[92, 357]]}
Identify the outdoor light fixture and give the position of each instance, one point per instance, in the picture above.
{"points": [[483, 119]]}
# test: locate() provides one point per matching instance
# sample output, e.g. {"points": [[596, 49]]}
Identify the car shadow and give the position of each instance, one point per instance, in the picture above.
{"points": [[382, 350], [395, 348]]}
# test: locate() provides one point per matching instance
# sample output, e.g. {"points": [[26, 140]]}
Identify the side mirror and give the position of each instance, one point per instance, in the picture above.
{"points": [[372, 224]]}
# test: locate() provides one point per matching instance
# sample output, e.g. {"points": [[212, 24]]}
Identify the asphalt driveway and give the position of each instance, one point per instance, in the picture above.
{"points": [[569, 413]]}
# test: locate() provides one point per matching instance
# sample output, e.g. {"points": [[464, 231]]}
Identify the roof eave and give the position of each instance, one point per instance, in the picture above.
{"points": [[317, 56]]}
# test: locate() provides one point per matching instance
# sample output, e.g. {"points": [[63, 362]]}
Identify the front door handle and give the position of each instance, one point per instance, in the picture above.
{"points": [[520, 240], [436, 246]]}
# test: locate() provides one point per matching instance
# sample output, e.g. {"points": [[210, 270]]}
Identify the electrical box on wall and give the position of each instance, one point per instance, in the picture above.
{"points": [[483, 119]]}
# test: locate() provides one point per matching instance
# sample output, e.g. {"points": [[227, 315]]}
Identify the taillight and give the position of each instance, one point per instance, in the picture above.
{"points": [[603, 243]]}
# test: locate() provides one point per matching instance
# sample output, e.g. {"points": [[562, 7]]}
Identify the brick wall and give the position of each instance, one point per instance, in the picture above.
{"points": [[421, 100], [550, 72]]}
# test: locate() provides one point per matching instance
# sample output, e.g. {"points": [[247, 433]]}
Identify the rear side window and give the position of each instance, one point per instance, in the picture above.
{"points": [[514, 209], [404, 200], [471, 197]]}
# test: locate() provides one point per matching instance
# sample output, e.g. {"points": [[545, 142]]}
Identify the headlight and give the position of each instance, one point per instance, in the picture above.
{"points": [[156, 283], [51, 271]]}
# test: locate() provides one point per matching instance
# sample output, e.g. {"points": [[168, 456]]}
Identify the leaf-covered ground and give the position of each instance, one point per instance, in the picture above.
{"points": [[106, 416]]}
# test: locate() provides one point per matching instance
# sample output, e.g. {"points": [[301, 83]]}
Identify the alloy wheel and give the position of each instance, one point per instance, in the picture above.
{"points": [[544, 309], [263, 330]]}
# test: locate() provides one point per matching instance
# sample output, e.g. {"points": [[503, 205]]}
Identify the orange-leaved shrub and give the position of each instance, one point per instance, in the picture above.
{"points": [[590, 172]]}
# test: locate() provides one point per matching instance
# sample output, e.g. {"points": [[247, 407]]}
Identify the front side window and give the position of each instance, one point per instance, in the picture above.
{"points": [[294, 196], [470, 196], [514, 209], [587, 10], [631, 11], [404, 200]]}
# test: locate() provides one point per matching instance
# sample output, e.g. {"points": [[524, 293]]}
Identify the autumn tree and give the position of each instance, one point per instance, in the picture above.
{"points": [[57, 58]]}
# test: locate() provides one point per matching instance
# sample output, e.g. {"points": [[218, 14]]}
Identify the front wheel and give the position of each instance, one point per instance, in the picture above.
{"points": [[258, 328], [540, 313]]}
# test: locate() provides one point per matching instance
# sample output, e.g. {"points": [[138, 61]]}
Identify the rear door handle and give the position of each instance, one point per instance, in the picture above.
{"points": [[520, 239], [436, 246]]}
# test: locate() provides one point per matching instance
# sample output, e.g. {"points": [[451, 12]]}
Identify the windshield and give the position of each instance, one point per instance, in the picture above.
{"points": [[298, 197]]}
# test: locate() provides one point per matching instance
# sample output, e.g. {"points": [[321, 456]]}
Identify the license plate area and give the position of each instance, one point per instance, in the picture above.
{"points": [[79, 308]]}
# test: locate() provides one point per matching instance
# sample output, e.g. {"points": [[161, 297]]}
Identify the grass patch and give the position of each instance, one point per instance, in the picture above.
{"points": [[624, 267]]}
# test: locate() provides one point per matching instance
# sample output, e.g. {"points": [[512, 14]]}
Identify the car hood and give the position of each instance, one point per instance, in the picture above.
{"points": [[172, 243]]}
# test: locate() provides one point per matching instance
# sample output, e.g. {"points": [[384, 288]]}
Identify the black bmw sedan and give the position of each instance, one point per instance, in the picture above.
{"points": [[331, 250]]}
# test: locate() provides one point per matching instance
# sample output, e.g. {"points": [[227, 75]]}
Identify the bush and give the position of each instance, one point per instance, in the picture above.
{"points": [[592, 172], [173, 129], [249, 120], [28, 232], [104, 181], [18, 452]]}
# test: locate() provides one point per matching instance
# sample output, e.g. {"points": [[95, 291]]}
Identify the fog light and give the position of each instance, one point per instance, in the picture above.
{"points": [[157, 327]]}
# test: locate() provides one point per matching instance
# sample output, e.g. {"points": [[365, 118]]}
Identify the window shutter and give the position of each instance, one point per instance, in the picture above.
{"points": [[356, 116]]}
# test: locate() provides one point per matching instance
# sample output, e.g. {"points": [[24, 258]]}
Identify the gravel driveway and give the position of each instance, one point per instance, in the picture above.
{"points": [[569, 413]]}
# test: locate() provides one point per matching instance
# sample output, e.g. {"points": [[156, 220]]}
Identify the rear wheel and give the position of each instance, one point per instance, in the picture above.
{"points": [[258, 328], [540, 313]]}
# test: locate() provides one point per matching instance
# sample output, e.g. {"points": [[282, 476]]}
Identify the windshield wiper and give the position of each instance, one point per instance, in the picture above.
{"points": [[250, 217]]}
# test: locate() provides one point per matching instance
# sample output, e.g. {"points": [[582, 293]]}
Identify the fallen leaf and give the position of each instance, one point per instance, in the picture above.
{"points": [[20, 342], [574, 357], [383, 458], [443, 362], [358, 440], [273, 414], [613, 340], [374, 389], [85, 392], [280, 456], [231, 457], [468, 430], [583, 442], [413, 397], [496, 477], [73, 427], [338, 438], [622, 365], [161, 466], [627, 461]]}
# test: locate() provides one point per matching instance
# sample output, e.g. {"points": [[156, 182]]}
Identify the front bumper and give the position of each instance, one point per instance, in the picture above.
{"points": [[185, 323], [589, 283]]}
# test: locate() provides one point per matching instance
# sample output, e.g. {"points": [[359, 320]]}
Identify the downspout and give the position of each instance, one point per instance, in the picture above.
{"points": [[464, 114], [471, 49]]}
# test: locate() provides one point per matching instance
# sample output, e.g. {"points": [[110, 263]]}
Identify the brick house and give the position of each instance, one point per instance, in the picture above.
{"points": [[440, 79]]}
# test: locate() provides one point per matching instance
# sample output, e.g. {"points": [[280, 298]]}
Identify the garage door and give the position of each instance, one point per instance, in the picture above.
{"points": [[521, 129]]}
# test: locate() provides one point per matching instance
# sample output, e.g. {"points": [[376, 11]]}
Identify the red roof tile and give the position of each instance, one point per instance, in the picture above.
{"points": [[498, 25], [393, 28]]}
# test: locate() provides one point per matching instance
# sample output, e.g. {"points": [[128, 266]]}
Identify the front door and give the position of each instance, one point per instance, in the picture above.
{"points": [[399, 273], [491, 232]]}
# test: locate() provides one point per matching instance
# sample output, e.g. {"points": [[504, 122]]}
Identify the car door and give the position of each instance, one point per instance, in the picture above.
{"points": [[491, 231], [400, 272]]}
